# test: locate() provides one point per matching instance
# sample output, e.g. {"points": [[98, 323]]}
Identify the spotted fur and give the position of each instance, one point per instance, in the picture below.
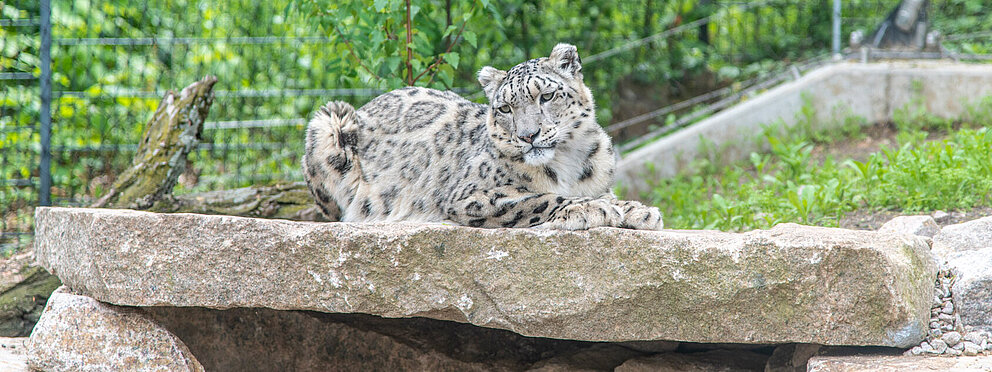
{"points": [[533, 156]]}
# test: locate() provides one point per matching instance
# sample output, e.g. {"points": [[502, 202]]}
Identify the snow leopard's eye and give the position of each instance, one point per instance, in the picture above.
{"points": [[547, 97], [504, 109]]}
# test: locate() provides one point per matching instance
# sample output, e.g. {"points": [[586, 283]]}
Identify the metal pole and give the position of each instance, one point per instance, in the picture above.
{"points": [[45, 85], [836, 29]]}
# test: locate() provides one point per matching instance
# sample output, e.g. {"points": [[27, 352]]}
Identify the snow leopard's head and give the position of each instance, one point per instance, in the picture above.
{"points": [[538, 107]]}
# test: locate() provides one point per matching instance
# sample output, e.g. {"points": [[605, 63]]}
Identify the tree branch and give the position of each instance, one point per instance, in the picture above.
{"points": [[409, 52], [351, 50], [437, 61], [172, 133]]}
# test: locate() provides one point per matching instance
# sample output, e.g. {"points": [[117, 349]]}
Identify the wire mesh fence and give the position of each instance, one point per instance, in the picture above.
{"points": [[112, 61]]}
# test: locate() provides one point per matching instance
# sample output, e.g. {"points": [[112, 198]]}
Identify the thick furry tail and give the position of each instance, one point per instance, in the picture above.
{"points": [[330, 166]]}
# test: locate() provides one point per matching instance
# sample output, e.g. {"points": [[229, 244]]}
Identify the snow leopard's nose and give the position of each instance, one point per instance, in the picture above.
{"points": [[529, 137]]}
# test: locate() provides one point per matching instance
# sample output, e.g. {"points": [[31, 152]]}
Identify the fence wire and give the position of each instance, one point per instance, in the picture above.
{"points": [[254, 133]]}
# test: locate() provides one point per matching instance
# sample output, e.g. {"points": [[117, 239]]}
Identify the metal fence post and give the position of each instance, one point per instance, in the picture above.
{"points": [[45, 86], [836, 29]]}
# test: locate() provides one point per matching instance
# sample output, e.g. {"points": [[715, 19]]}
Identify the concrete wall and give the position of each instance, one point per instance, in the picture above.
{"points": [[873, 91]]}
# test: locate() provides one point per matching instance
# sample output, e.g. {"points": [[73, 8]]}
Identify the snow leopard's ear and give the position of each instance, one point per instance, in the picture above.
{"points": [[565, 60], [490, 79]]}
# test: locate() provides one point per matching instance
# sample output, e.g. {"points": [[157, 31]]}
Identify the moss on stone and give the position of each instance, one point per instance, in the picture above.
{"points": [[21, 305]]}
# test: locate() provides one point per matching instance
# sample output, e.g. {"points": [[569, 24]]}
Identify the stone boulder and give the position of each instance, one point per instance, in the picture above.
{"points": [[973, 286], [789, 284], [912, 225], [969, 236], [78, 333]]}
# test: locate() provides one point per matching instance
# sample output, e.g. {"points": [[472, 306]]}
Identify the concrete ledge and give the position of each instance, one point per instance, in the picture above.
{"points": [[789, 284], [873, 91]]}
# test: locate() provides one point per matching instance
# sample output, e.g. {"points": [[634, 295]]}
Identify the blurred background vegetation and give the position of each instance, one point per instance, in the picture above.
{"points": [[278, 60]]}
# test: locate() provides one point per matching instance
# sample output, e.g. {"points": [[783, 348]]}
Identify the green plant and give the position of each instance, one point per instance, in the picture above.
{"points": [[784, 185]]}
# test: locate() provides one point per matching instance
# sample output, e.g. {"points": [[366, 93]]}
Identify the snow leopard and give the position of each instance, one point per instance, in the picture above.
{"points": [[533, 156]]}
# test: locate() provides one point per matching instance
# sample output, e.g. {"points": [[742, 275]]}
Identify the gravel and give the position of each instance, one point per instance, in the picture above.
{"points": [[948, 335]]}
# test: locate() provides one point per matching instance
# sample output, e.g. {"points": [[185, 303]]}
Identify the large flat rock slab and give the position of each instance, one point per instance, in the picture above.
{"points": [[789, 284]]}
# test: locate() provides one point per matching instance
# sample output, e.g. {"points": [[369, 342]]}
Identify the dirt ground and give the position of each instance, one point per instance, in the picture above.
{"points": [[859, 148]]}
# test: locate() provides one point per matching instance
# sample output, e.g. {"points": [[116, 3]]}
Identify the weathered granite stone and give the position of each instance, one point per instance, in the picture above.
{"points": [[912, 225], [708, 361], [78, 333], [973, 286], [969, 236], [891, 363], [789, 284]]}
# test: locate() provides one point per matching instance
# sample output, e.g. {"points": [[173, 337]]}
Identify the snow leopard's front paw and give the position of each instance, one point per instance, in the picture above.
{"points": [[639, 216], [585, 215]]}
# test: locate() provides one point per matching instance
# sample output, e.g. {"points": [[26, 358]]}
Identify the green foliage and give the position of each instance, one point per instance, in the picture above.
{"points": [[394, 43]]}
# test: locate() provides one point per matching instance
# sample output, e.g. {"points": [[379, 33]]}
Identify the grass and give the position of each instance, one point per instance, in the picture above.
{"points": [[787, 184]]}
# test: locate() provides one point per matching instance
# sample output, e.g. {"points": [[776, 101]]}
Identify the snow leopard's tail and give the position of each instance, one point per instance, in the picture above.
{"points": [[330, 166]]}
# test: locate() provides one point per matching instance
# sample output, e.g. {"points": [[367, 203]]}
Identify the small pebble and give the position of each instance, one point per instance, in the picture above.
{"points": [[925, 346], [934, 324], [938, 346], [958, 347], [936, 333], [973, 337], [970, 349], [954, 352], [951, 338], [937, 301], [916, 350], [948, 308], [940, 216], [946, 318]]}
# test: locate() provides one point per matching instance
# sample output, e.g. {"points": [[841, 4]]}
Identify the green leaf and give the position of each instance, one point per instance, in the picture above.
{"points": [[380, 5], [453, 58], [471, 38], [449, 30], [392, 63], [289, 6]]}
